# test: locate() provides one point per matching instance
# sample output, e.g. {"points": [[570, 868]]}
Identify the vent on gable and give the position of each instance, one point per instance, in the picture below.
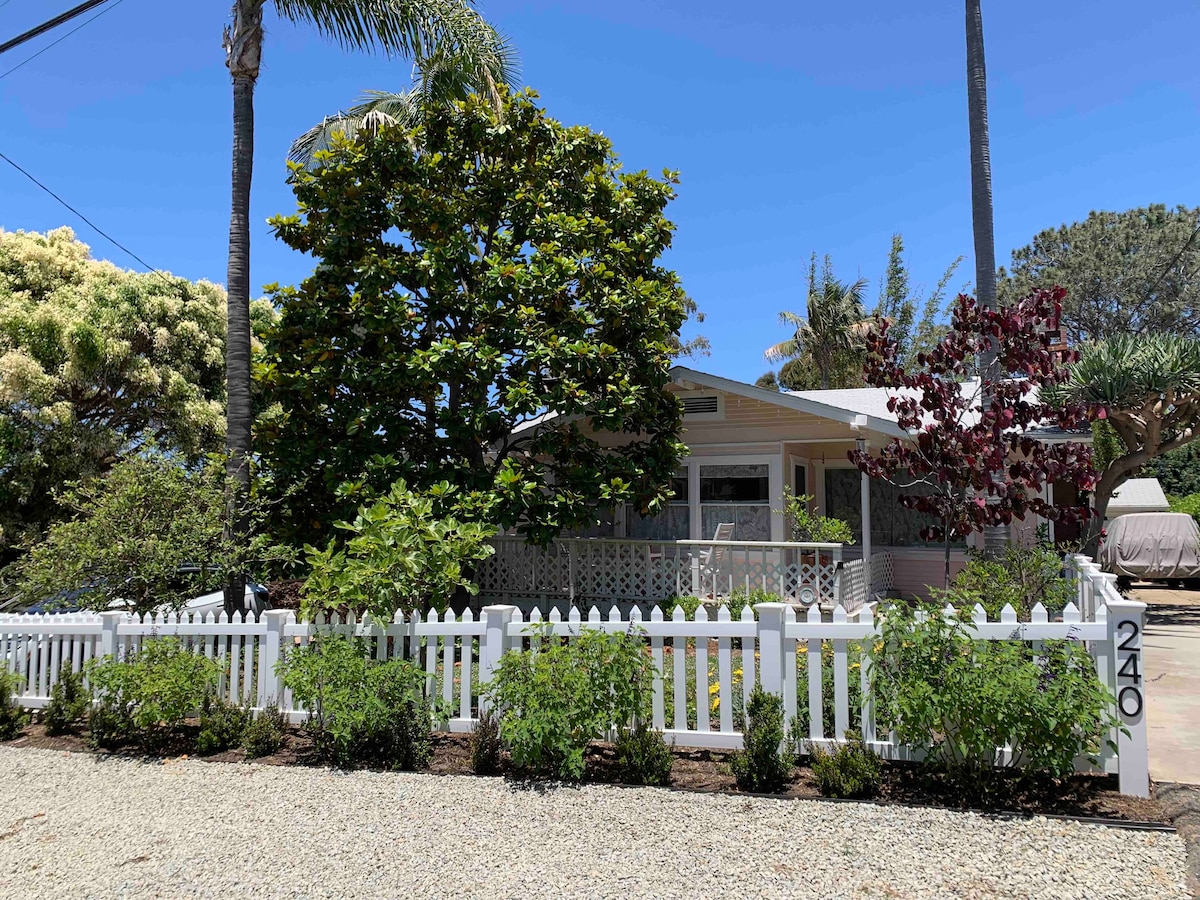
{"points": [[702, 405]]}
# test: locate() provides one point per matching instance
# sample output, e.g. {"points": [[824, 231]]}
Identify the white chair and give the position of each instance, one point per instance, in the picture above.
{"points": [[711, 558]]}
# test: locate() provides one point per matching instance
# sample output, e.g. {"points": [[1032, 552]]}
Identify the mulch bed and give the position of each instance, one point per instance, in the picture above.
{"points": [[1086, 796]]}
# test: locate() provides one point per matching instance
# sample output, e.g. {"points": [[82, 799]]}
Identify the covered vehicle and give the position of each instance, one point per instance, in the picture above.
{"points": [[1153, 546]]}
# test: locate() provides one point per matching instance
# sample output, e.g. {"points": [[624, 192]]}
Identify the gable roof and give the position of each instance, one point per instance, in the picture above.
{"points": [[815, 403]]}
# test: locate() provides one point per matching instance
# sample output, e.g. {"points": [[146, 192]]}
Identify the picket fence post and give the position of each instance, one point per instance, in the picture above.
{"points": [[1126, 624], [108, 632], [492, 644], [270, 683], [770, 646]]}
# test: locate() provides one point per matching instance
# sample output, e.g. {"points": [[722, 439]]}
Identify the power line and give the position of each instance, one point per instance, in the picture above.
{"points": [[50, 24], [54, 43], [100, 231]]}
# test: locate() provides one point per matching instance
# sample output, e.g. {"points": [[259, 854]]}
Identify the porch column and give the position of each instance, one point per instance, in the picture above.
{"points": [[865, 499]]}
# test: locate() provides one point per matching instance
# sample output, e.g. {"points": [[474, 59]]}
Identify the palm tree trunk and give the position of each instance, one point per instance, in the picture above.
{"points": [[243, 49], [995, 537]]}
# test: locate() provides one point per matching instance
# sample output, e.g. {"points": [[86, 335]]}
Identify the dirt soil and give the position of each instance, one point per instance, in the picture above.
{"points": [[706, 770]]}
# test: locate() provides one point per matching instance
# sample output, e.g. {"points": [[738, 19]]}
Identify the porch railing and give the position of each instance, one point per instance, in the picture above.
{"points": [[583, 570]]}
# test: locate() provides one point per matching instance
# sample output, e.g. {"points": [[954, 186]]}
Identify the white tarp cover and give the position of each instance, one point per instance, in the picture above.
{"points": [[1152, 545]]}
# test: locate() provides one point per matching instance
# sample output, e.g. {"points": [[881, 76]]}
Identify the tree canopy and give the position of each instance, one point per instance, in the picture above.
{"points": [[95, 361], [505, 270], [1147, 387], [130, 534], [1131, 272], [972, 463]]}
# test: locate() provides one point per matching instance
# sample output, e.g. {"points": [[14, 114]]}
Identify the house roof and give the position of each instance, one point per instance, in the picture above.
{"points": [[812, 402], [860, 408], [1138, 495]]}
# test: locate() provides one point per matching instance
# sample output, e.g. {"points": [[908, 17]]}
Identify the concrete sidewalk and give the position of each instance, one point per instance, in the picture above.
{"points": [[1171, 652]]}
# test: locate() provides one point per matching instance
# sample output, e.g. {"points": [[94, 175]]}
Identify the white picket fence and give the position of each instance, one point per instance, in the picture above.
{"points": [[694, 698]]}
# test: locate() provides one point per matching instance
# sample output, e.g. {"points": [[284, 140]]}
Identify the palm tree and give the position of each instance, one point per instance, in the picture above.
{"points": [[836, 325], [441, 77], [413, 28], [995, 538]]}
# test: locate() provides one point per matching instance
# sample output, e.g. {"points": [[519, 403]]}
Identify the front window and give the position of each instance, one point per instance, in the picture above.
{"points": [[739, 494], [672, 524]]}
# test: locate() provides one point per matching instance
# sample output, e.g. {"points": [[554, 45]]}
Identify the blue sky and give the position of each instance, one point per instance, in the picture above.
{"points": [[795, 127]]}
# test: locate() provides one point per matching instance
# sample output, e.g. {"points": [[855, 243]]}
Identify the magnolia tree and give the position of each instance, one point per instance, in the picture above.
{"points": [[968, 466]]}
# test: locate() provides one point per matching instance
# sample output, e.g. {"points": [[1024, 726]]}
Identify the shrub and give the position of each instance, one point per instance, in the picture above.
{"points": [[808, 527], [109, 727], [485, 744], [363, 712], [740, 598], [222, 726], [146, 697], [69, 702], [1189, 504], [554, 702], [961, 700], [643, 756], [849, 772], [763, 765], [687, 603], [1021, 578], [264, 733], [397, 554], [12, 717]]}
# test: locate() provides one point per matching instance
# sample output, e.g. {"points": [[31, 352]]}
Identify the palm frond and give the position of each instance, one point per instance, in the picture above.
{"points": [[455, 52], [411, 28], [374, 110]]}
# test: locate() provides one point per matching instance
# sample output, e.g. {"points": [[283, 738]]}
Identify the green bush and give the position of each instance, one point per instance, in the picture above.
{"points": [[69, 702], [264, 733], [145, 698], [108, 727], [363, 712], [808, 527], [1021, 578], [12, 717], [850, 772], [396, 555], [554, 702], [687, 603], [1189, 505], [960, 699], [485, 745], [740, 598], [763, 765], [222, 726], [643, 756]]}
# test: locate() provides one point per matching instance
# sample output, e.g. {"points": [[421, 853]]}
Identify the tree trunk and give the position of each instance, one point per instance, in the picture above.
{"points": [[995, 537], [243, 49], [1113, 477]]}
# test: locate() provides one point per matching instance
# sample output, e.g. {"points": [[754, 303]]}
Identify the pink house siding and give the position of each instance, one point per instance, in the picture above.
{"points": [[917, 570]]}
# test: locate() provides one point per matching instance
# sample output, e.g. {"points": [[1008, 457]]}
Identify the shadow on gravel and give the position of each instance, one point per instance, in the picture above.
{"points": [[1181, 803]]}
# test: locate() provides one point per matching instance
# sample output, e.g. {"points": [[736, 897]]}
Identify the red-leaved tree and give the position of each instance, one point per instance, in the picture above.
{"points": [[979, 466]]}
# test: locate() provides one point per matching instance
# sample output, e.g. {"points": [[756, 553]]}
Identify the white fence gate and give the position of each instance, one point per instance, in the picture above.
{"points": [[706, 667]]}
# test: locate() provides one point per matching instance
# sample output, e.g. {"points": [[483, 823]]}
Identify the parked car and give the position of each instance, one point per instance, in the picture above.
{"points": [[69, 601], [1153, 547]]}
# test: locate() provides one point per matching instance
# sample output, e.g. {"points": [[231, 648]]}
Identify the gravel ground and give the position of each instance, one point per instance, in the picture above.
{"points": [[74, 825]]}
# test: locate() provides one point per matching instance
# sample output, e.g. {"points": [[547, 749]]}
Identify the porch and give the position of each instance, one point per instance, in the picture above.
{"points": [[630, 572]]}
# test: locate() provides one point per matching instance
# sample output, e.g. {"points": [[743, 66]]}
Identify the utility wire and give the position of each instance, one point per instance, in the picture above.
{"points": [[34, 56], [92, 224], [50, 24]]}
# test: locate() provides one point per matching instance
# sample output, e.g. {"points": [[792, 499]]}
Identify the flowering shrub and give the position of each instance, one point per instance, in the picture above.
{"points": [[961, 700]]}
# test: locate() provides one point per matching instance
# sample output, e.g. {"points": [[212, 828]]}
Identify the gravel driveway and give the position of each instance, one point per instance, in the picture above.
{"points": [[73, 825]]}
